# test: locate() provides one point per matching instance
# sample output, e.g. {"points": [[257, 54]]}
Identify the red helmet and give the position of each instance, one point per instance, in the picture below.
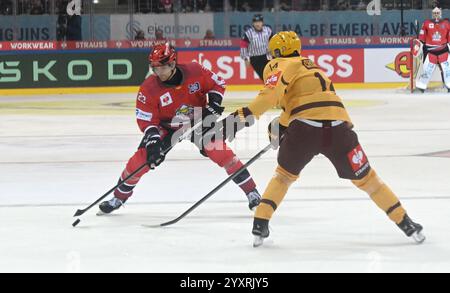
{"points": [[162, 54]]}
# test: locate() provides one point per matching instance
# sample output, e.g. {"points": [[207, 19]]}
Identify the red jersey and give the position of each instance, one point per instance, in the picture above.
{"points": [[157, 102], [436, 35]]}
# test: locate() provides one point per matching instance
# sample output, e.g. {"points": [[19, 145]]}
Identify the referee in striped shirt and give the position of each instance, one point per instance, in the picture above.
{"points": [[254, 45]]}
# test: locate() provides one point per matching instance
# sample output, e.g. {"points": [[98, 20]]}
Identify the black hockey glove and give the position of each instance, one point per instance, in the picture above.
{"points": [[210, 113], [276, 132], [153, 144], [234, 122], [213, 109]]}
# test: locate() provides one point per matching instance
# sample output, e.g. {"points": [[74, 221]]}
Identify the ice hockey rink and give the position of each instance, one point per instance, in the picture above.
{"points": [[59, 153]]}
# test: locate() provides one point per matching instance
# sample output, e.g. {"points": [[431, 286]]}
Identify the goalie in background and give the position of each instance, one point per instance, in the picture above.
{"points": [[433, 48]]}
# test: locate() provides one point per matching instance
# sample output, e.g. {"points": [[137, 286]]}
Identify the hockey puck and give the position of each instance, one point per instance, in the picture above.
{"points": [[76, 222]]}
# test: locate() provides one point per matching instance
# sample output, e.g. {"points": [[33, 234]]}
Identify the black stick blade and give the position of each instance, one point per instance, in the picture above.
{"points": [[168, 223], [161, 225], [78, 213], [152, 226]]}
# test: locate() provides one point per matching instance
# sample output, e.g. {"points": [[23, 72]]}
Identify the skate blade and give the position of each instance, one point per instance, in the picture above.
{"points": [[418, 237], [100, 213], [258, 241]]}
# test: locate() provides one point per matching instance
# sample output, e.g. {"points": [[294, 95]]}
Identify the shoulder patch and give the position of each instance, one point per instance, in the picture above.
{"points": [[309, 64], [195, 87], [272, 80]]}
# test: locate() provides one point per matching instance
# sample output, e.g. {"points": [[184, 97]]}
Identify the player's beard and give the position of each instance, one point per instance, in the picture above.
{"points": [[169, 76]]}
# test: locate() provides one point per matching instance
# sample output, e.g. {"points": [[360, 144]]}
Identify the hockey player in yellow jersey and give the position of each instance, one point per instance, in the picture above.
{"points": [[313, 120]]}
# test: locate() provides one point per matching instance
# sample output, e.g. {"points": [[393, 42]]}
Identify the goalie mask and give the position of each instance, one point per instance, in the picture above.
{"points": [[437, 14]]}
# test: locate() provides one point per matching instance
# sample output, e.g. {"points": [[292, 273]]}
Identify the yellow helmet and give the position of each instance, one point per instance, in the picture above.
{"points": [[284, 44]]}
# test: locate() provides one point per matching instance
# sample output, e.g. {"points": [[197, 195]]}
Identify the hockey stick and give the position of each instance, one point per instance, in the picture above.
{"points": [[414, 69], [180, 138], [218, 187]]}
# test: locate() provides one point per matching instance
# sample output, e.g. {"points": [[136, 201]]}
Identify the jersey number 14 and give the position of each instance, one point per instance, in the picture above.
{"points": [[323, 83]]}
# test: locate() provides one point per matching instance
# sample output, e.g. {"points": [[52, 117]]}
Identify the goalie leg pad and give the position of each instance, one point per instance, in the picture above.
{"points": [[444, 60], [428, 67]]}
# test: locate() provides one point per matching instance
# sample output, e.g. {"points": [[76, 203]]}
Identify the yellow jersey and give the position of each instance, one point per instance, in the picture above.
{"points": [[301, 89]]}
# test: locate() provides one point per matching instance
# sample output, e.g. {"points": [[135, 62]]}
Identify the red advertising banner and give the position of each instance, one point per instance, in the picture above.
{"points": [[89, 45], [362, 41], [227, 64], [195, 43], [341, 65]]}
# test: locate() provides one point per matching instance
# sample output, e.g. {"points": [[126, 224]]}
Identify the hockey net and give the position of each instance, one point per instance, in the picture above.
{"points": [[416, 58]]}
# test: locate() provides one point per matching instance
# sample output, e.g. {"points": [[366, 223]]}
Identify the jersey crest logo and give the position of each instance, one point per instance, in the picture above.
{"points": [[166, 99], [185, 112], [436, 36], [195, 87], [141, 98], [309, 64], [272, 80]]}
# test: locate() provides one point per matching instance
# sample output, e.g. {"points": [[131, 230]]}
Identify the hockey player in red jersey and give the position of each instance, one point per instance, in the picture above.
{"points": [[166, 100], [434, 37]]}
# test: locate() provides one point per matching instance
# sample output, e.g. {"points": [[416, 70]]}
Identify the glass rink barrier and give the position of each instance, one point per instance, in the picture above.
{"points": [[102, 43], [76, 20]]}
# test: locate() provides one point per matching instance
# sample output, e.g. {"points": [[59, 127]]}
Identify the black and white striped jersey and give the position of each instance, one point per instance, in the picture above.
{"points": [[255, 43]]}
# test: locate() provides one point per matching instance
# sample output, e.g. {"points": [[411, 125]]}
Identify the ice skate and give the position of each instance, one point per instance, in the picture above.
{"points": [[412, 229], [254, 198], [260, 231], [109, 206]]}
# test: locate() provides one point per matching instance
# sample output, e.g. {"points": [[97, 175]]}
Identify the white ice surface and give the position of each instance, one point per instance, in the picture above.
{"points": [[51, 165]]}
